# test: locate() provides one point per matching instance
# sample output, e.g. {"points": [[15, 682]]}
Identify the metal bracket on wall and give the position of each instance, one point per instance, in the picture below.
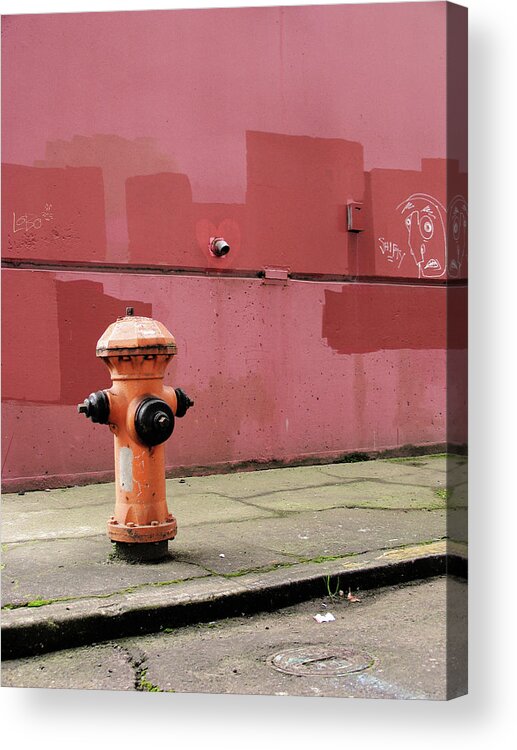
{"points": [[356, 218], [275, 275]]}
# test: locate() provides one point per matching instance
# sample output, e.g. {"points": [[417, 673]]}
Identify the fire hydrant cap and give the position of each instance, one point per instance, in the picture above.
{"points": [[136, 335]]}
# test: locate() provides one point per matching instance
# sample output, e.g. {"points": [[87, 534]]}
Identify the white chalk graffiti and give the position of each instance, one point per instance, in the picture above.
{"points": [[424, 218], [391, 251], [457, 226], [26, 221], [436, 237]]}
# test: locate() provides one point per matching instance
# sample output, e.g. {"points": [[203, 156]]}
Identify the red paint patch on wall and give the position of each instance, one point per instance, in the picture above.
{"points": [[53, 214], [298, 188], [60, 323], [85, 312], [31, 367], [166, 228], [417, 223], [370, 318], [294, 216], [118, 158], [159, 219]]}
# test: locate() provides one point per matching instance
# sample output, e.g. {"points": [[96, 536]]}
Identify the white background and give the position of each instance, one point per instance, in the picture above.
{"points": [[88, 719]]}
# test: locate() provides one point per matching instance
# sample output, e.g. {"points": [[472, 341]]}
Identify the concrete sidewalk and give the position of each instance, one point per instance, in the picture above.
{"points": [[246, 541]]}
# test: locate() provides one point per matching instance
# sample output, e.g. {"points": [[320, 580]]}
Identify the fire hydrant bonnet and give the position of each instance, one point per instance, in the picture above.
{"points": [[133, 335]]}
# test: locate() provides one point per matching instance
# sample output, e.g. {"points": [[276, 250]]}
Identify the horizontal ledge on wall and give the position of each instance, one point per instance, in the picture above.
{"points": [[44, 265]]}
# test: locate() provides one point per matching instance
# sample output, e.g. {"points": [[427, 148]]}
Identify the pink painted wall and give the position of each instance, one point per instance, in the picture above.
{"points": [[156, 130]]}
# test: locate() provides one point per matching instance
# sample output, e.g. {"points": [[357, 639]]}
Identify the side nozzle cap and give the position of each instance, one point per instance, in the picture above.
{"points": [[184, 402], [154, 421], [96, 407]]}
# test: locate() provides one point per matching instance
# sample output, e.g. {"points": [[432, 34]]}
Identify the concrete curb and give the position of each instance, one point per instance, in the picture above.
{"points": [[69, 624]]}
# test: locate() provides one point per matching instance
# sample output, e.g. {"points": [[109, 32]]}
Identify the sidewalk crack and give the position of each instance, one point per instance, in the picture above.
{"points": [[138, 663]]}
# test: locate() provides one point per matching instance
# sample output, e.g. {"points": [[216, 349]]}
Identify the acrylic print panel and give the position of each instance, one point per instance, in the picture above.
{"points": [[264, 491]]}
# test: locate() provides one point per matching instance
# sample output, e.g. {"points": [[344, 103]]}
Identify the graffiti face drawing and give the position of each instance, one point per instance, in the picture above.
{"points": [[424, 218], [457, 223]]}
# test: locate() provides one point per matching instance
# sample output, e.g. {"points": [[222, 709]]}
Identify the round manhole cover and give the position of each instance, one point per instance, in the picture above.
{"points": [[316, 661]]}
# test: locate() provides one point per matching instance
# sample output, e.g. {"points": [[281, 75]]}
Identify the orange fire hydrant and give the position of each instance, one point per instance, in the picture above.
{"points": [[140, 411]]}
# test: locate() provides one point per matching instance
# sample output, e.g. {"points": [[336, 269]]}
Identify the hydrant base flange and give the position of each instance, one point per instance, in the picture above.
{"points": [[140, 553], [160, 532]]}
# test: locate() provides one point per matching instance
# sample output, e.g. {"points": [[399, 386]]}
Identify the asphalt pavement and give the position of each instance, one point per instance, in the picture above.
{"points": [[389, 643]]}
